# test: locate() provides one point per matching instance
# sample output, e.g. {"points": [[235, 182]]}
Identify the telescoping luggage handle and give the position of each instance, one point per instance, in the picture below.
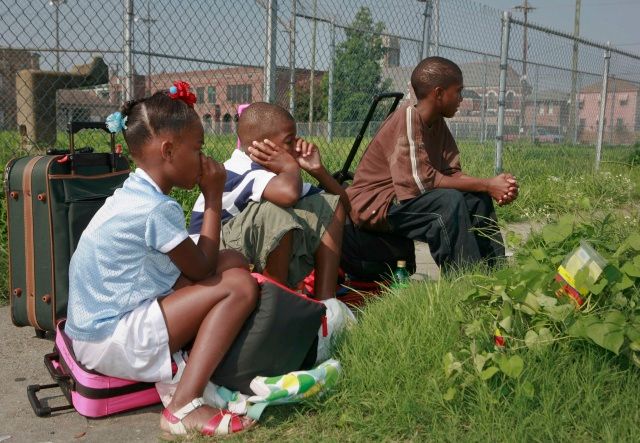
{"points": [[343, 174], [63, 382], [77, 126]]}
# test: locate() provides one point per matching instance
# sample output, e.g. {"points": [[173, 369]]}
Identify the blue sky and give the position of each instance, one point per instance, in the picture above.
{"points": [[600, 20]]}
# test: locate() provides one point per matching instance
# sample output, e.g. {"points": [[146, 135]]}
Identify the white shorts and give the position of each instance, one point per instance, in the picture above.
{"points": [[137, 350]]}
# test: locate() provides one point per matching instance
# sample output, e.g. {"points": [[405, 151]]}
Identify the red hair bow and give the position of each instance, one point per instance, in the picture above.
{"points": [[181, 91]]}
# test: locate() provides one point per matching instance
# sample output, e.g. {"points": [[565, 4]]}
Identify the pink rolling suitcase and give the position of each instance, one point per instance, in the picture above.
{"points": [[88, 392]]}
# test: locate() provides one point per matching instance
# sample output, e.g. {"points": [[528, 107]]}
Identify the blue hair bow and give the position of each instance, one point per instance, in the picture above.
{"points": [[116, 123]]}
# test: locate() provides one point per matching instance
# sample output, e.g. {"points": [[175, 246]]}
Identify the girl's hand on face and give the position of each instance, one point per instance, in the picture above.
{"points": [[212, 177]]}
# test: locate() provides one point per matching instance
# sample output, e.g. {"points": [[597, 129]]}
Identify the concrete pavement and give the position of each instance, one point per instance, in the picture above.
{"points": [[21, 364]]}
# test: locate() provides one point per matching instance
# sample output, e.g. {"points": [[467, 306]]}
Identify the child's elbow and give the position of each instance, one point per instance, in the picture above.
{"points": [[285, 197], [289, 199]]}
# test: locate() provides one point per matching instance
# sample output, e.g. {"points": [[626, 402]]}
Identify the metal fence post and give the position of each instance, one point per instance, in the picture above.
{"points": [[128, 50], [504, 53], [270, 58], [611, 110], [436, 21], [313, 64], [292, 59], [603, 104], [576, 106], [534, 123], [483, 103], [332, 66]]}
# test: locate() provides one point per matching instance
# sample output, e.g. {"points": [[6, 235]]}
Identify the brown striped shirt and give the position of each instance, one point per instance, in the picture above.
{"points": [[405, 159]]}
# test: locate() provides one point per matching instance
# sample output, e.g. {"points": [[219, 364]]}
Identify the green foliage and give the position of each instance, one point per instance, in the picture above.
{"points": [[520, 310], [394, 388], [302, 97], [634, 157], [357, 68]]}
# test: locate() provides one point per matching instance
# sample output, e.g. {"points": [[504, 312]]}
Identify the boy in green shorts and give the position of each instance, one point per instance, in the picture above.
{"points": [[283, 226]]}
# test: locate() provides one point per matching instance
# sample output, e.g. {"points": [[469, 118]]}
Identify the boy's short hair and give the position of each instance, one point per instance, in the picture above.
{"points": [[261, 120], [432, 72]]}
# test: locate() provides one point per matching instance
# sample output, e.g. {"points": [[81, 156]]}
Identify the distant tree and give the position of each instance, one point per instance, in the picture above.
{"points": [[302, 101], [357, 76]]}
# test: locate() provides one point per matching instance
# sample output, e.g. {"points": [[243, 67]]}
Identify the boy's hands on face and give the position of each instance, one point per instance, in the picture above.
{"points": [[212, 177], [308, 155], [271, 156]]}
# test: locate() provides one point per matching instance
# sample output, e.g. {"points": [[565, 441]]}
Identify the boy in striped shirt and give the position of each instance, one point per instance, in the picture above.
{"points": [[283, 226]]}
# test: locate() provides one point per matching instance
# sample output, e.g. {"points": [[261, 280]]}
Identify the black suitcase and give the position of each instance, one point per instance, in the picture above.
{"points": [[368, 256], [50, 201]]}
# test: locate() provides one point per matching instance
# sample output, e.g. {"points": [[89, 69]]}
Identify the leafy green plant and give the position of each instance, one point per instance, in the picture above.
{"points": [[634, 157], [519, 310]]}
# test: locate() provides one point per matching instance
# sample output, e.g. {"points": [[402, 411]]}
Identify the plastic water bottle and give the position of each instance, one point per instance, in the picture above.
{"points": [[400, 275]]}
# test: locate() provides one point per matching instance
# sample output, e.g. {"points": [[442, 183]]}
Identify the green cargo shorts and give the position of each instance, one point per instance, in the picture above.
{"points": [[258, 229]]}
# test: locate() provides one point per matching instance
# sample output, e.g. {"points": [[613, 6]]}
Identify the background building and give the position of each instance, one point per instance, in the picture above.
{"points": [[12, 61], [621, 115]]}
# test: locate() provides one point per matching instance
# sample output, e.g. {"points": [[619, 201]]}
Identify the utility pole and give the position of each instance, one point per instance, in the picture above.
{"points": [[426, 30], [56, 4], [129, 83], [525, 8], [573, 109], [148, 21]]}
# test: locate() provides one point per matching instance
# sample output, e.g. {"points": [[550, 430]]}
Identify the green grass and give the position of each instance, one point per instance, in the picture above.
{"points": [[553, 178], [559, 178], [394, 384]]}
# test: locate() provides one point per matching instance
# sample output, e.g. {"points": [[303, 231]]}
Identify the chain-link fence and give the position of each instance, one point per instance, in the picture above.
{"points": [[324, 60], [559, 95]]}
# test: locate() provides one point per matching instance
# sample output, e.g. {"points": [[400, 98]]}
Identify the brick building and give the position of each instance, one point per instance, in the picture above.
{"points": [[218, 91]]}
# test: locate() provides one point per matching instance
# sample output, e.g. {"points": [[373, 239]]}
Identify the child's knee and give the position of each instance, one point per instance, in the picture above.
{"points": [[244, 287]]}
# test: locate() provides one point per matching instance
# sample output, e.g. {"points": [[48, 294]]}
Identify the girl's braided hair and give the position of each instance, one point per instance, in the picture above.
{"points": [[152, 115]]}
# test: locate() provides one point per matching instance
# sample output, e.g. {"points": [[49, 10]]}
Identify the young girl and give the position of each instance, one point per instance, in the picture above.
{"points": [[140, 288]]}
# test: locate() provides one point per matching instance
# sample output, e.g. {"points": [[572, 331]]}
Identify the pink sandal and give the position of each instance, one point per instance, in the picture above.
{"points": [[222, 423]]}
